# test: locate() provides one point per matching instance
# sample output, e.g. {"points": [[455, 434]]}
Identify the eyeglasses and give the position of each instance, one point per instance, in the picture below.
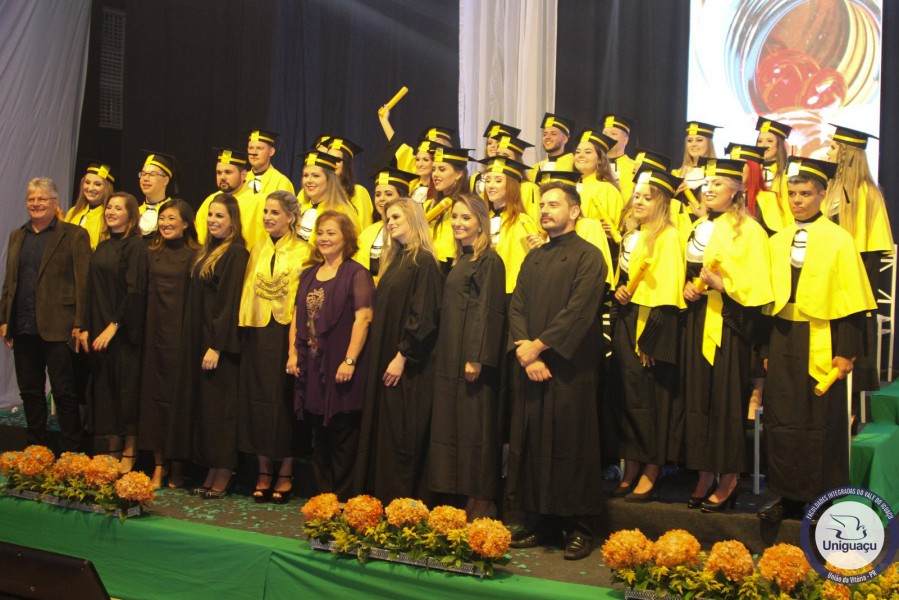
{"points": [[150, 174], [41, 199]]}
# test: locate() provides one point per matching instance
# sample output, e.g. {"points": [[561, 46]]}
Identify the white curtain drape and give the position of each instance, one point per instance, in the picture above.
{"points": [[507, 67], [43, 53]]}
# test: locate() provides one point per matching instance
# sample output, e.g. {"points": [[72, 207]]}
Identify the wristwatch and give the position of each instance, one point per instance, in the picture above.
{"points": [[350, 361]]}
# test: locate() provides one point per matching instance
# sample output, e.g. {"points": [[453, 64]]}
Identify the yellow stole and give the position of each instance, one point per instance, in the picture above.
{"points": [[270, 292]]}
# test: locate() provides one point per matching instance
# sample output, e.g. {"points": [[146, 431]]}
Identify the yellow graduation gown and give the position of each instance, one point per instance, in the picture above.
{"points": [[592, 231], [361, 201], [563, 163], [512, 245], [366, 241], [269, 292], [92, 221], [772, 211], [872, 224], [832, 285], [625, 170], [600, 200], [271, 180]]}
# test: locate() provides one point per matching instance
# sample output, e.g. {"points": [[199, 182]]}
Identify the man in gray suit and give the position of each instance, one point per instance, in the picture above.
{"points": [[42, 309]]}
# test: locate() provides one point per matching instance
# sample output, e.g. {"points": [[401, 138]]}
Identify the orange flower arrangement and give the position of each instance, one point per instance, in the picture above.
{"points": [[732, 559], [406, 511], [363, 512], [626, 549], [70, 465], [323, 506], [835, 591], [785, 565], [102, 470], [8, 462], [35, 460], [444, 519], [135, 487], [489, 538], [676, 548]]}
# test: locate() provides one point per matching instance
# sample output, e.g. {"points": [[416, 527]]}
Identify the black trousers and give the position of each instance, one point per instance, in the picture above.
{"points": [[334, 452], [33, 358]]}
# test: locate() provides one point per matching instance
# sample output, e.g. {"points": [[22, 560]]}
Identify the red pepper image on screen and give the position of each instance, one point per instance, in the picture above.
{"points": [[787, 78]]}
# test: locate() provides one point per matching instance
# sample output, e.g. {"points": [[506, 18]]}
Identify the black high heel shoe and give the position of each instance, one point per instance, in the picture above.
{"points": [[649, 496], [697, 501], [621, 492], [263, 495], [709, 507], [282, 497]]}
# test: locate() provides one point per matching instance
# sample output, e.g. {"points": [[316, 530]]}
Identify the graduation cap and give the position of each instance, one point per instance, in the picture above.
{"points": [[102, 170], [314, 158], [567, 177], [599, 138], [722, 167], [332, 142], [654, 160], [779, 129], [495, 128], [438, 134], [700, 128], [507, 166], [166, 162], [625, 124], [427, 146], [514, 144], [262, 135], [454, 156], [561, 123], [745, 152], [851, 137], [811, 168], [231, 157], [401, 180], [663, 180]]}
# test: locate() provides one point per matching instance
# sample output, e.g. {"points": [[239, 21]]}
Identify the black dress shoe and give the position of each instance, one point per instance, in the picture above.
{"points": [[526, 538], [773, 512], [649, 496], [696, 501], [709, 507], [579, 546], [621, 492]]}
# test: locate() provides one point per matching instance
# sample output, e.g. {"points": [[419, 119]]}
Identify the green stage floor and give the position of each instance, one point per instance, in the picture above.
{"points": [[157, 557]]}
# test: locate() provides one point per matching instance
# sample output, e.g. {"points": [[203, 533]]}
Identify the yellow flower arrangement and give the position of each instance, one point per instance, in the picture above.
{"points": [[406, 511], [8, 462], [835, 591], [489, 538], [363, 512], [444, 519], [785, 565], [323, 506], [102, 470], [732, 559], [35, 460], [627, 549], [71, 465], [135, 487], [676, 548]]}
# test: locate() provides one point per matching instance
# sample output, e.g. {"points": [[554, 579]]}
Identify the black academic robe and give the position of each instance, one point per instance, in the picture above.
{"points": [[204, 418], [117, 293], [464, 454], [168, 276], [396, 420], [554, 446]]}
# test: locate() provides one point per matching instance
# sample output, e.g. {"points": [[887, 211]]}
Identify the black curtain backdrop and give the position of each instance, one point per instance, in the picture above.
{"points": [[199, 74], [353, 58], [627, 57]]}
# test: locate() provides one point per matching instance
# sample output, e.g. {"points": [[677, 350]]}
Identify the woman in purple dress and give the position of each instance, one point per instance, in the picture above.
{"points": [[328, 354]]}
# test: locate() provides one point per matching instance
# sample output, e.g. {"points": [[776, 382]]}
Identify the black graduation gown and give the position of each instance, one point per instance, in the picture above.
{"points": [[118, 292], [204, 418], [464, 455], [167, 279], [807, 436], [648, 412], [554, 446], [717, 396], [396, 420]]}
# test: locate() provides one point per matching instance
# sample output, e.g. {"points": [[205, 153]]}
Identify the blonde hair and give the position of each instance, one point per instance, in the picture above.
{"points": [[852, 175], [688, 160], [81, 202], [478, 208], [335, 196], [212, 251], [420, 242], [738, 203], [290, 205], [659, 218]]}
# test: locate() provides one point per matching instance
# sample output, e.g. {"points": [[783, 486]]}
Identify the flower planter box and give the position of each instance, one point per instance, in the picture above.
{"points": [[401, 557], [132, 511], [633, 594]]}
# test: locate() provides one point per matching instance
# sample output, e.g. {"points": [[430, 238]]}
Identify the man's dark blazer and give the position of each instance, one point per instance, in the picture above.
{"points": [[61, 302]]}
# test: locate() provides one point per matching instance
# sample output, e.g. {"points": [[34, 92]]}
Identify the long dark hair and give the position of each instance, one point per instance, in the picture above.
{"points": [[212, 251], [186, 212]]}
